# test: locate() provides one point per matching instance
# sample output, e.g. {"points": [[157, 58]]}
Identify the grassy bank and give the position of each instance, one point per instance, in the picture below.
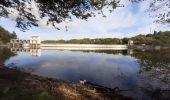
{"points": [[18, 85]]}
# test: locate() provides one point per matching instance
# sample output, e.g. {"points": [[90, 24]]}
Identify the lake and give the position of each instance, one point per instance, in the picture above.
{"points": [[139, 74]]}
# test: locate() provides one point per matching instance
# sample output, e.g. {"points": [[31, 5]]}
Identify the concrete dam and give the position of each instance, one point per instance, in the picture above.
{"points": [[83, 47], [35, 42]]}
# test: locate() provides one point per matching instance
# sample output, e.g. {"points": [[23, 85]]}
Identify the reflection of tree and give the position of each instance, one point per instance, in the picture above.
{"points": [[5, 54], [123, 52], [158, 60], [154, 76]]}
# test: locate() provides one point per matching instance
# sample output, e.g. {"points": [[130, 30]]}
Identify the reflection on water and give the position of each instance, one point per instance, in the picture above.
{"points": [[37, 51], [4, 55], [33, 51], [138, 74]]}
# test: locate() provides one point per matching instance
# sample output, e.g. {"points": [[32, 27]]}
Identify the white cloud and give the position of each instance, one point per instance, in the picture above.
{"points": [[123, 22]]}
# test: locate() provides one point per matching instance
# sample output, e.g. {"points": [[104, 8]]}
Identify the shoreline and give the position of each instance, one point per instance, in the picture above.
{"points": [[15, 83]]}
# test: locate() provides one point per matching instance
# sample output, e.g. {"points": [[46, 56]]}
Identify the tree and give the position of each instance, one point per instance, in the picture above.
{"points": [[13, 35], [57, 11], [155, 32], [5, 36], [125, 40], [159, 9]]}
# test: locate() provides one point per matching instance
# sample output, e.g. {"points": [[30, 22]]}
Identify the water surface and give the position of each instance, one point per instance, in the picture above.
{"points": [[134, 73]]}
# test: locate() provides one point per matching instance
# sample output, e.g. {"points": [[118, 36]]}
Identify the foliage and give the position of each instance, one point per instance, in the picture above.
{"points": [[158, 38], [55, 11], [155, 64], [87, 41], [163, 38], [112, 52], [153, 59], [5, 36], [159, 9], [5, 54], [143, 39]]}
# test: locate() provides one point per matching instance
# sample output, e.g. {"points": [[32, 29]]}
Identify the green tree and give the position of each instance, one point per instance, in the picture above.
{"points": [[13, 35], [5, 36], [158, 38], [57, 11], [163, 38], [159, 9], [125, 40]]}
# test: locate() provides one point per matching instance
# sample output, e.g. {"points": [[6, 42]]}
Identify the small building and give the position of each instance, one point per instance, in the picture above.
{"points": [[35, 40], [18, 42], [130, 42]]}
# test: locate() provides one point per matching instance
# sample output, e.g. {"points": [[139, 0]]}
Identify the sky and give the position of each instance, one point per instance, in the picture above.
{"points": [[125, 21]]}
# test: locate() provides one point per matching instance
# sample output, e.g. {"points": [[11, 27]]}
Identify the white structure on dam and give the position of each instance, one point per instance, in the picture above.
{"points": [[33, 52], [34, 42]]}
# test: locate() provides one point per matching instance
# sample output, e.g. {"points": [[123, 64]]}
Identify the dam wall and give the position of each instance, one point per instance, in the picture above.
{"points": [[84, 47]]}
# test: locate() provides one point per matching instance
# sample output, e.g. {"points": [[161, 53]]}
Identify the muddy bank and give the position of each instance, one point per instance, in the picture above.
{"points": [[18, 85]]}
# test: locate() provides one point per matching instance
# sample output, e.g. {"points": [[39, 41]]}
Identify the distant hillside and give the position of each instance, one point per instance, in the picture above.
{"points": [[158, 38], [85, 41], [5, 36]]}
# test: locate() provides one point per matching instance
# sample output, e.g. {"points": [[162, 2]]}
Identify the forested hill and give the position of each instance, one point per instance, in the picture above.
{"points": [[86, 41], [5, 36], [158, 38]]}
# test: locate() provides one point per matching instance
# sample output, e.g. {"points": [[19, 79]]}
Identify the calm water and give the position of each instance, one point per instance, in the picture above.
{"points": [[138, 74]]}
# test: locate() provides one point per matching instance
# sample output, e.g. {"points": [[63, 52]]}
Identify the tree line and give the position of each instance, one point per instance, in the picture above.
{"points": [[157, 38], [5, 35], [86, 41]]}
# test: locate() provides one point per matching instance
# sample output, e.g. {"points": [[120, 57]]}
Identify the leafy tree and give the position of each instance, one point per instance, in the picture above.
{"points": [[5, 36], [57, 11], [160, 9], [158, 38], [87, 41], [125, 40], [163, 38], [13, 35], [155, 32]]}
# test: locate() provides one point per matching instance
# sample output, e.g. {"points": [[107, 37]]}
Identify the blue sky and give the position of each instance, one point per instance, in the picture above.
{"points": [[126, 21]]}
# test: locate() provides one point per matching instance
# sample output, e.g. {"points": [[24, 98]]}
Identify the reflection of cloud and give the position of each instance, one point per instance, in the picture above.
{"points": [[102, 69]]}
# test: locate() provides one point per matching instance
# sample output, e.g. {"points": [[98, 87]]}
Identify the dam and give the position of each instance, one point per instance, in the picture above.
{"points": [[83, 47], [35, 42]]}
